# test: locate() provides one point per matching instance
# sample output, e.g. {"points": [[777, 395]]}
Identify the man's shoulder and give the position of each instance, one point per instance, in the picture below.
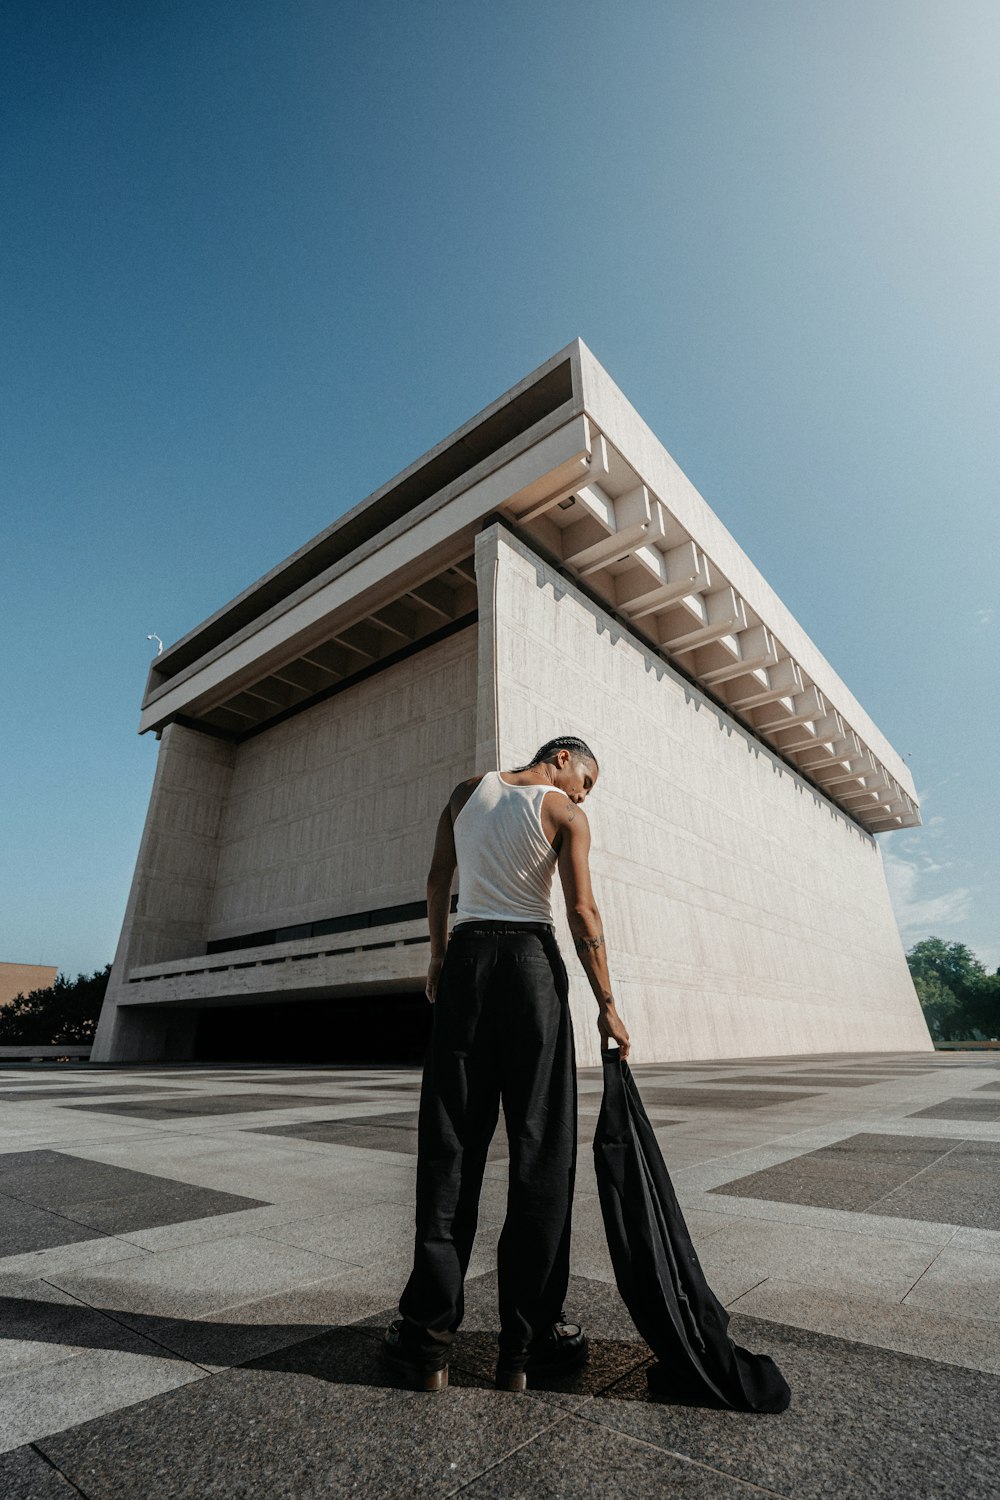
{"points": [[469, 785], [461, 793], [566, 812]]}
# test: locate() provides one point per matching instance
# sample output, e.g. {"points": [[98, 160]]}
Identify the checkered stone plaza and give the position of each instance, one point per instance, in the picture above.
{"points": [[197, 1264]]}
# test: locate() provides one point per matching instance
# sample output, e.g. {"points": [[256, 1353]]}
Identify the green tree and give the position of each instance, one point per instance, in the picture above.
{"points": [[984, 1005], [66, 1012], [959, 999], [942, 1010]]}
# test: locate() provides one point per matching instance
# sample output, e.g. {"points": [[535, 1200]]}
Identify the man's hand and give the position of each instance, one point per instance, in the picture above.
{"points": [[612, 1029], [433, 974]]}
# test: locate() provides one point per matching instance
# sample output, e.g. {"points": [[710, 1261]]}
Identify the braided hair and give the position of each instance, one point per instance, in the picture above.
{"points": [[579, 748]]}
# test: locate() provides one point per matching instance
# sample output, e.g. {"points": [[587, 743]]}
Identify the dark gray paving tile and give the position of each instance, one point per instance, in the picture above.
{"points": [[615, 1345], [864, 1422], [26, 1475], [391, 1132], [910, 1177], [969, 1154], [217, 1104], [53, 1198], [850, 1174], [995, 1086], [572, 1460], [321, 1419], [821, 1189], [476, 1355], [163, 1205], [986, 1110], [334, 1133], [24, 1227], [395, 1088], [946, 1196], [800, 1079], [51, 1178], [913, 1150], [888, 1069], [693, 1096]]}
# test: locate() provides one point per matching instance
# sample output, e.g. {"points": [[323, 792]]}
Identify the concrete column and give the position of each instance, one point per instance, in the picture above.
{"points": [[170, 901], [487, 713]]}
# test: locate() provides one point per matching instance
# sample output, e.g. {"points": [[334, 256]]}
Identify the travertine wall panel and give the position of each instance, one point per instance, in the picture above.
{"points": [[744, 913], [167, 912], [335, 810]]}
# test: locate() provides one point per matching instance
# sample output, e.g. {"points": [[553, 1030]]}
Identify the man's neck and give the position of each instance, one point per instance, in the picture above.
{"points": [[537, 774]]}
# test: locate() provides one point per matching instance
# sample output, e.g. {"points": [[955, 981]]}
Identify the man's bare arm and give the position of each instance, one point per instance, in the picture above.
{"points": [[439, 879], [585, 920]]}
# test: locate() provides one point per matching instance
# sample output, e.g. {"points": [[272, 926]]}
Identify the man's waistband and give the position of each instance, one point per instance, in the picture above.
{"points": [[491, 925]]}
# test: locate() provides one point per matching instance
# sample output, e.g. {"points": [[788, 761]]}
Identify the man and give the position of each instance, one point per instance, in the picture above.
{"points": [[502, 1031]]}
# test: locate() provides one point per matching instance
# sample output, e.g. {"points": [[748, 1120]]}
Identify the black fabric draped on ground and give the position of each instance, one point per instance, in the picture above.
{"points": [[658, 1273]]}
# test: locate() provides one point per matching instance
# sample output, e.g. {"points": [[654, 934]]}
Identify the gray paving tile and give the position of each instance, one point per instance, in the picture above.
{"points": [[960, 1109], [51, 1396], [96, 1250], [570, 1459], [42, 1323], [866, 1317], [195, 1280], [317, 1420], [995, 1086], [962, 1281], [26, 1475], [863, 1422], [283, 1318], [57, 1093]]}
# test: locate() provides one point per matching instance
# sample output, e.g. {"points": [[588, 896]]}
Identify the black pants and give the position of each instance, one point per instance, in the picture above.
{"points": [[501, 1031]]}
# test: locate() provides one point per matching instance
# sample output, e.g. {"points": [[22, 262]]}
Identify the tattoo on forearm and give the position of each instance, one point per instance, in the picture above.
{"points": [[585, 944]]}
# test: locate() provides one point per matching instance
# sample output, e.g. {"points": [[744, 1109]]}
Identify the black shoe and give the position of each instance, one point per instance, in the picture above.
{"points": [[510, 1379], [564, 1347], [420, 1375]]}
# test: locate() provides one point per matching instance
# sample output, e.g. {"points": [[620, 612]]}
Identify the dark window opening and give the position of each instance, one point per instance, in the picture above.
{"points": [[367, 1028]]}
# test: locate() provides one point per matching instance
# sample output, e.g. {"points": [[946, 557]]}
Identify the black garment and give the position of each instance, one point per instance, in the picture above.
{"points": [[501, 1031], [658, 1272]]}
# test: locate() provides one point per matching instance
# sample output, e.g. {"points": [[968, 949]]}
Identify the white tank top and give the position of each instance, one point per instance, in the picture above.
{"points": [[505, 862]]}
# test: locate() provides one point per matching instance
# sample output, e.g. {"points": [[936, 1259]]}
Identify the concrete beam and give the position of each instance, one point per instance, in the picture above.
{"points": [[720, 613]]}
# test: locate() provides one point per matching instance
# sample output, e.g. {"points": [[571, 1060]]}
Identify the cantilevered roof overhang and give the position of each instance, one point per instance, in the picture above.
{"points": [[571, 466]]}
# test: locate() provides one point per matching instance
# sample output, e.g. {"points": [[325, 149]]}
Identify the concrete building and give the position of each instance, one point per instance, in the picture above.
{"points": [[546, 569], [21, 979]]}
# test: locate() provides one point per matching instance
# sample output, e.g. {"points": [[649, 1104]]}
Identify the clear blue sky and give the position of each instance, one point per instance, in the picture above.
{"points": [[258, 256]]}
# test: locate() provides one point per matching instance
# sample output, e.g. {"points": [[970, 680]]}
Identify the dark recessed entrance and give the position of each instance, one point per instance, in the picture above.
{"points": [[371, 1028]]}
